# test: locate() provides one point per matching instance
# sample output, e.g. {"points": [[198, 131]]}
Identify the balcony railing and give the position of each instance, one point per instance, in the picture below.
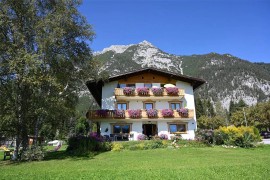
{"points": [[111, 114], [119, 93]]}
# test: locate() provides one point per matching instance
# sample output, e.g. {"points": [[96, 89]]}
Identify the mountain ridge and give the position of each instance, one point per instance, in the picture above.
{"points": [[228, 77]]}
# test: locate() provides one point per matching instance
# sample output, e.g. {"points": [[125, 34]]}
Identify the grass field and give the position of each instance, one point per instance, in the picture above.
{"points": [[183, 163]]}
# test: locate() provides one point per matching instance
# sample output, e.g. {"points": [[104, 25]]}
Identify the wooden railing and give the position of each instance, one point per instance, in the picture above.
{"points": [[120, 92], [110, 114]]}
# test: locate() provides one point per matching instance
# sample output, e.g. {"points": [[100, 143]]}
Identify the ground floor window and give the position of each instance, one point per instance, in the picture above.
{"points": [[177, 128], [121, 128]]}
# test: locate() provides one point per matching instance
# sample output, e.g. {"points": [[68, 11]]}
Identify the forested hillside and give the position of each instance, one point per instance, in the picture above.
{"points": [[228, 77]]}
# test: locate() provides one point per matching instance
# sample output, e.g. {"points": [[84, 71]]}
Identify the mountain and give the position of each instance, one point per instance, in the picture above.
{"points": [[228, 77]]}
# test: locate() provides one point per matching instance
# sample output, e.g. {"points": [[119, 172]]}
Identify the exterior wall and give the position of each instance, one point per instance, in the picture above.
{"points": [[108, 98], [136, 129], [108, 102], [103, 126]]}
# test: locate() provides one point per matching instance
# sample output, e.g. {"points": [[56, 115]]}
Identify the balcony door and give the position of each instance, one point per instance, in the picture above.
{"points": [[149, 129]]}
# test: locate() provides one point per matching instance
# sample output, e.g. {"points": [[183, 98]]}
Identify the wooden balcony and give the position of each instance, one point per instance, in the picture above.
{"points": [[119, 95], [110, 115]]}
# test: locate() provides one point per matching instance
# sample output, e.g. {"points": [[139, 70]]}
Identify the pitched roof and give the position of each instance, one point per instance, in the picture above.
{"points": [[96, 87]]}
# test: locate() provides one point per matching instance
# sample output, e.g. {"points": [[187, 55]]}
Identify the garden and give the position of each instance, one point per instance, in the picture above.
{"points": [[225, 153]]}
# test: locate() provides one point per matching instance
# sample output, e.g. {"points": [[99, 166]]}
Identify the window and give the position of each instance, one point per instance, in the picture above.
{"points": [[148, 105], [177, 128], [122, 106], [149, 85], [122, 85], [121, 128], [131, 85], [125, 85], [175, 105]]}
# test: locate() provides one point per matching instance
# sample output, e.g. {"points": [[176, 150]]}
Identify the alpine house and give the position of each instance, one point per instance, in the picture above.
{"points": [[147, 101]]}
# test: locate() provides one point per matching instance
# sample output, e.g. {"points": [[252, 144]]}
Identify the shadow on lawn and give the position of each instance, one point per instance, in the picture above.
{"points": [[53, 155], [59, 155]]}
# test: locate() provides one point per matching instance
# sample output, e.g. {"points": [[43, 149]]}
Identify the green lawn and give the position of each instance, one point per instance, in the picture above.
{"points": [[184, 163]]}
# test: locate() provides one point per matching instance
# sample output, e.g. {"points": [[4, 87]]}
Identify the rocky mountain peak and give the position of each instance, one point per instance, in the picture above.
{"points": [[146, 43], [229, 78]]}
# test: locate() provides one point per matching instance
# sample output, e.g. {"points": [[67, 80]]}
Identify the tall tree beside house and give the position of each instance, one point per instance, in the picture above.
{"points": [[44, 58], [210, 112], [199, 107]]}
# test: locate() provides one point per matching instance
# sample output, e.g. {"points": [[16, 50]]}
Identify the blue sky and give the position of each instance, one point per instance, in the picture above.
{"points": [[184, 27]]}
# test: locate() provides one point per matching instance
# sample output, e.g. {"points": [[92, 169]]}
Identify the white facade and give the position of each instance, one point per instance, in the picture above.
{"points": [[162, 125]]}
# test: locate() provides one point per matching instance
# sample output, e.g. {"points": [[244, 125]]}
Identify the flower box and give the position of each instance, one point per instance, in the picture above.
{"points": [[102, 112], [119, 113], [152, 113], [134, 113], [172, 91], [167, 113], [183, 112], [157, 91], [144, 91], [128, 91]]}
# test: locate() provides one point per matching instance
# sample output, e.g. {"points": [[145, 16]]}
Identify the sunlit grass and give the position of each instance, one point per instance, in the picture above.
{"points": [[183, 163]]}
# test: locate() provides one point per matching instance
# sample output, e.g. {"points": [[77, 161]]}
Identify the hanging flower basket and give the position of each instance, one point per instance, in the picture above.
{"points": [[172, 91], [152, 113], [102, 112], [167, 113], [134, 113], [144, 91], [128, 91], [183, 112], [119, 113], [157, 91]]}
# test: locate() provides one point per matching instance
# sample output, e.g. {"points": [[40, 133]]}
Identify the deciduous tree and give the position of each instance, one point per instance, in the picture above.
{"points": [[44, 58]]}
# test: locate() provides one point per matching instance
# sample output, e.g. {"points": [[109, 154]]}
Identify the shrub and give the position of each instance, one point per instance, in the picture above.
{"points": [[183, 112], [142, 145], [230, 136], [151, 113], [35, 153], [117, 146], [80, 145], [153, 144], [204, 135], [237, 136], [167, 113], [128, 91], [143, 91], [119, 113], [141, 137], [157, 91], [176, 137], [173, 91], [163, 136], [134, 113]]}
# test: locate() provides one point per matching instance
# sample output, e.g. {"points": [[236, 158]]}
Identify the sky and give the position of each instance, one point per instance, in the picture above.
{"points": [[184, 27]]}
